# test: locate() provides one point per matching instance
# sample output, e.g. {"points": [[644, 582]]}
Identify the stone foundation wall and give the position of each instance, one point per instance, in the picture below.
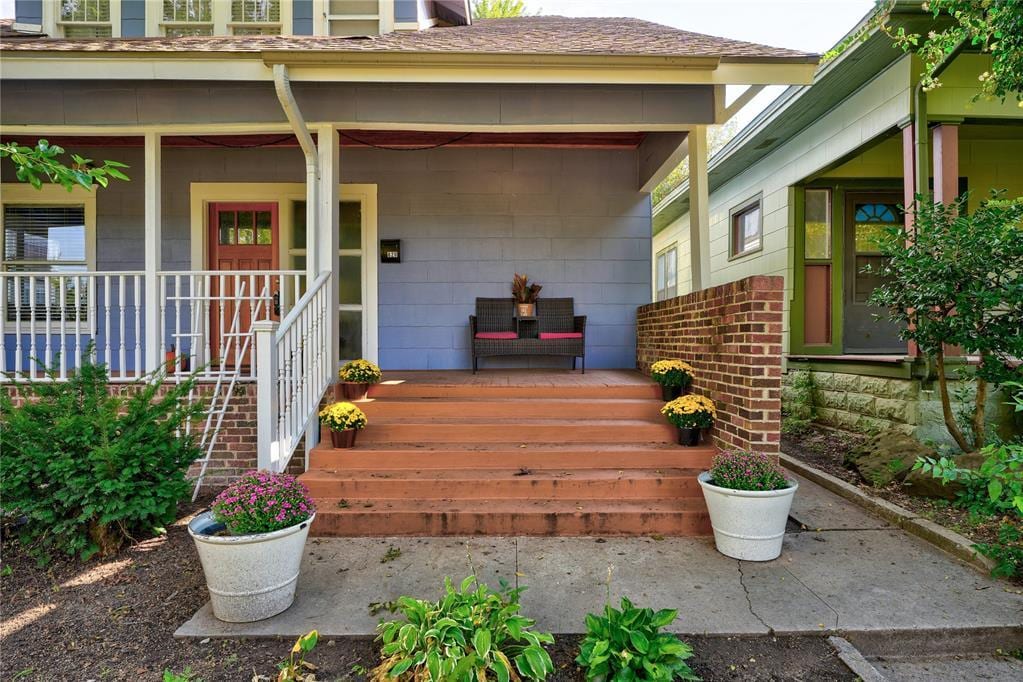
{"points": [[870, 405]]}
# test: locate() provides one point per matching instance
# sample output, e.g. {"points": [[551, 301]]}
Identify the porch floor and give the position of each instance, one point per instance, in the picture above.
{"points": [[851, 574], [519, 377]]}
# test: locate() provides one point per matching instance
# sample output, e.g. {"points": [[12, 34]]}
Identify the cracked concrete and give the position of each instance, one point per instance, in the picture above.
{"points": [[846, 572]]}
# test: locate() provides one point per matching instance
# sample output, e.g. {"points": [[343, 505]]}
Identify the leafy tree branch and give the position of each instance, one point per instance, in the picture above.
{"points": [[35, 165]]}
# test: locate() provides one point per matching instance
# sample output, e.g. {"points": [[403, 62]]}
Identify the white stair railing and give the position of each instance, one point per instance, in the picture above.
{"points": [[293, 371]]}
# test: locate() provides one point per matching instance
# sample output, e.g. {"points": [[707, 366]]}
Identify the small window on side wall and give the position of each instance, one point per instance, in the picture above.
{"points": [[747, 228], [667, 273]]}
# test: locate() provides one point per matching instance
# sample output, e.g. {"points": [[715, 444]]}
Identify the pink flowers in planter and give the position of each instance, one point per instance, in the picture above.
{"points": [[261, 502], [744, 470]]}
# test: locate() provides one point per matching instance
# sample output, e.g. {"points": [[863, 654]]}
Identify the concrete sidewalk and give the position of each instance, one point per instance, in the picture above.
{"points": [[846, 572]]}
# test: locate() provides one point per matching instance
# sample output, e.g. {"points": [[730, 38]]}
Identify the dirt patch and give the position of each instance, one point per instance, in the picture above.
{"points": [[114, 620], [825, 448]]}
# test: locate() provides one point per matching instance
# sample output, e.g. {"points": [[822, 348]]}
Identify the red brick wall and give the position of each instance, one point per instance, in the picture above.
{"points": [[732, 335]]}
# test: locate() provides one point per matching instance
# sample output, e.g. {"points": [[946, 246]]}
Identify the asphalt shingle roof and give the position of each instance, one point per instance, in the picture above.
{"points": [[549, 35]]}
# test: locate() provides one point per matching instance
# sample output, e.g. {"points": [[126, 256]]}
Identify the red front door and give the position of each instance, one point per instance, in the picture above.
{"points": [[242, 239]]}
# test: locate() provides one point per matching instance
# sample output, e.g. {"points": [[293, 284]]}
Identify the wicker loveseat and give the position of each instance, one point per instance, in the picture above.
{"points": [[557, 331]]}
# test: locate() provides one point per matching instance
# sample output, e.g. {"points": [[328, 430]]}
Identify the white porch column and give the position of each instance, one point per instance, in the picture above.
{"points": [[267, 408], [328, 144], [699, 209], [154, 351]]}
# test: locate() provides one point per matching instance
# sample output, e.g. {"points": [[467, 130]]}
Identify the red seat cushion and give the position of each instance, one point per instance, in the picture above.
{"points": [[561, 335], [499, 336]]}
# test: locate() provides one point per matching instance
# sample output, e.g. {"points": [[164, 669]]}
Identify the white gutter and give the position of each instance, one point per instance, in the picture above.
{"points": [[282, 85]]}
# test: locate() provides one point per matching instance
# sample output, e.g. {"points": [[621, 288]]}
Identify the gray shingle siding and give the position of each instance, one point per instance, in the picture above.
{"points": [[406, 10]]}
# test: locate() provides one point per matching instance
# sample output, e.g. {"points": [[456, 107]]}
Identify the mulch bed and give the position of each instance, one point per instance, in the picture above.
{"points": [[824, 449], [114, 619]]}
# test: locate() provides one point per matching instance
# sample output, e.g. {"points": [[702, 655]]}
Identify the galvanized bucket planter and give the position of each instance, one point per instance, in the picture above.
{"points": [[249, 577], [748, 524]]}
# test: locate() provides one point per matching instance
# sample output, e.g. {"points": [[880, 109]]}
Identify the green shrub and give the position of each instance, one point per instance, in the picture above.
{"points": [[89, 470], [798, 410], [471, 633], [628, 645], [1007, 553], [993, 489]]}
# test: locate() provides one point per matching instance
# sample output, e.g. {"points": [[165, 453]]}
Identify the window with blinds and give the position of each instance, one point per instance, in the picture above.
{"points": [[256, 17], [85, 18], [187, 18], [45, 239]]}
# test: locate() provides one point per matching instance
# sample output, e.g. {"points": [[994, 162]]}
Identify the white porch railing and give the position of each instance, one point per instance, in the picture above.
{"points": [[52, 317], [198, 307], [294, 370]]}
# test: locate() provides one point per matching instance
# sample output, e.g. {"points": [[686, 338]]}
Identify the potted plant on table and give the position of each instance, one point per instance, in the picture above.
{"points": [[355, 378], [525, 295], [251, 543], [674, 376], [748, 497], [344, 421], [691, 414]]}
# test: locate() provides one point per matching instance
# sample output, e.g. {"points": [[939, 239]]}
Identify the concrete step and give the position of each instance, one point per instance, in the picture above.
{"points": [[394, 456], [473, 484], [389, 410], [489, 391], [517, 431], [685, 516]]}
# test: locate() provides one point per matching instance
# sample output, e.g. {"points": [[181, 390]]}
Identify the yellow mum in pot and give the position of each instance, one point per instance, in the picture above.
{"points": [[690, 412]]}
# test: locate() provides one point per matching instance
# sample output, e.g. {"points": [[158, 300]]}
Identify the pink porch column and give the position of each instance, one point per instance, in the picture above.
{"points": [[946, 162]]}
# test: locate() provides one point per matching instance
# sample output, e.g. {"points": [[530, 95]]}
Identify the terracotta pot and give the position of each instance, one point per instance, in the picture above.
{"points": [[526, 309], [346, 390], [689, 437], [343, 439]]}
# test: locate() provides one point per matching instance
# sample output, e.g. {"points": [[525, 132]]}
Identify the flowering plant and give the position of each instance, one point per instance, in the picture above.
{"points": [[672, 373], [690, 412], [262, 502], [342, 416], [360, 372], [746, 470]]}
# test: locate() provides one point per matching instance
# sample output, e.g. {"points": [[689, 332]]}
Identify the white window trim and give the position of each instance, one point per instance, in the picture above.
{"points": [[222, 23], [751, 203], [23, 194], [204, 193], [53, 26]]}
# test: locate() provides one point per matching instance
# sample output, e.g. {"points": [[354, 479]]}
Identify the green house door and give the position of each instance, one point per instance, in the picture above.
{"points": [[866, 328]]}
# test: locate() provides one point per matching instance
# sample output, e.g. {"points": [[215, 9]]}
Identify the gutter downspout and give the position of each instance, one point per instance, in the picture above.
{"points": [[920, 127], [282, 85]]}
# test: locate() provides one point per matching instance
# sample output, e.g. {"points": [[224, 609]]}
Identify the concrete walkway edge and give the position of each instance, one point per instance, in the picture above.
{"points": [[855, 661], [939, 536]]}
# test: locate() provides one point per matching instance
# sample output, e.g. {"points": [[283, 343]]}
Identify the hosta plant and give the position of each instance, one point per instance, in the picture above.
{"points": [[262, 502], [342, 416], [627, 644], [672, 373], [360, 372], [471, 634], [690, 412]]}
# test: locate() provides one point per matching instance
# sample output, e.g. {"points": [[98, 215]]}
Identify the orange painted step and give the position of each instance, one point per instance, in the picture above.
{"points": [[389, 410], [409, 390], [511, 456], [472, 484], [685, 516], [546, 431]]}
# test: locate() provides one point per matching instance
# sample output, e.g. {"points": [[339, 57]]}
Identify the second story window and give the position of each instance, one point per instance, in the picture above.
{"points": [[85, 18], [256, 17], [187, 18]]}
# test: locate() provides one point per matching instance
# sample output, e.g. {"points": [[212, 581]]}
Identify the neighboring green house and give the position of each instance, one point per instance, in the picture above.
{"points": [[800, 191]]}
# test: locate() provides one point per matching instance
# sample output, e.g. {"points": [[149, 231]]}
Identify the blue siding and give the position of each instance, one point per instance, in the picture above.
{"points": [[28, 11], [302, 17], [133, 18]]}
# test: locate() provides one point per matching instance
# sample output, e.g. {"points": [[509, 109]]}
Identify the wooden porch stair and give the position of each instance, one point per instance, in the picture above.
{"points": [[455, 459]]}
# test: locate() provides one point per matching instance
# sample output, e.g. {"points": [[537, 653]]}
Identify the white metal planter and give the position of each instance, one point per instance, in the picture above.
{"points": [[250, 577], [748, 524]]}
